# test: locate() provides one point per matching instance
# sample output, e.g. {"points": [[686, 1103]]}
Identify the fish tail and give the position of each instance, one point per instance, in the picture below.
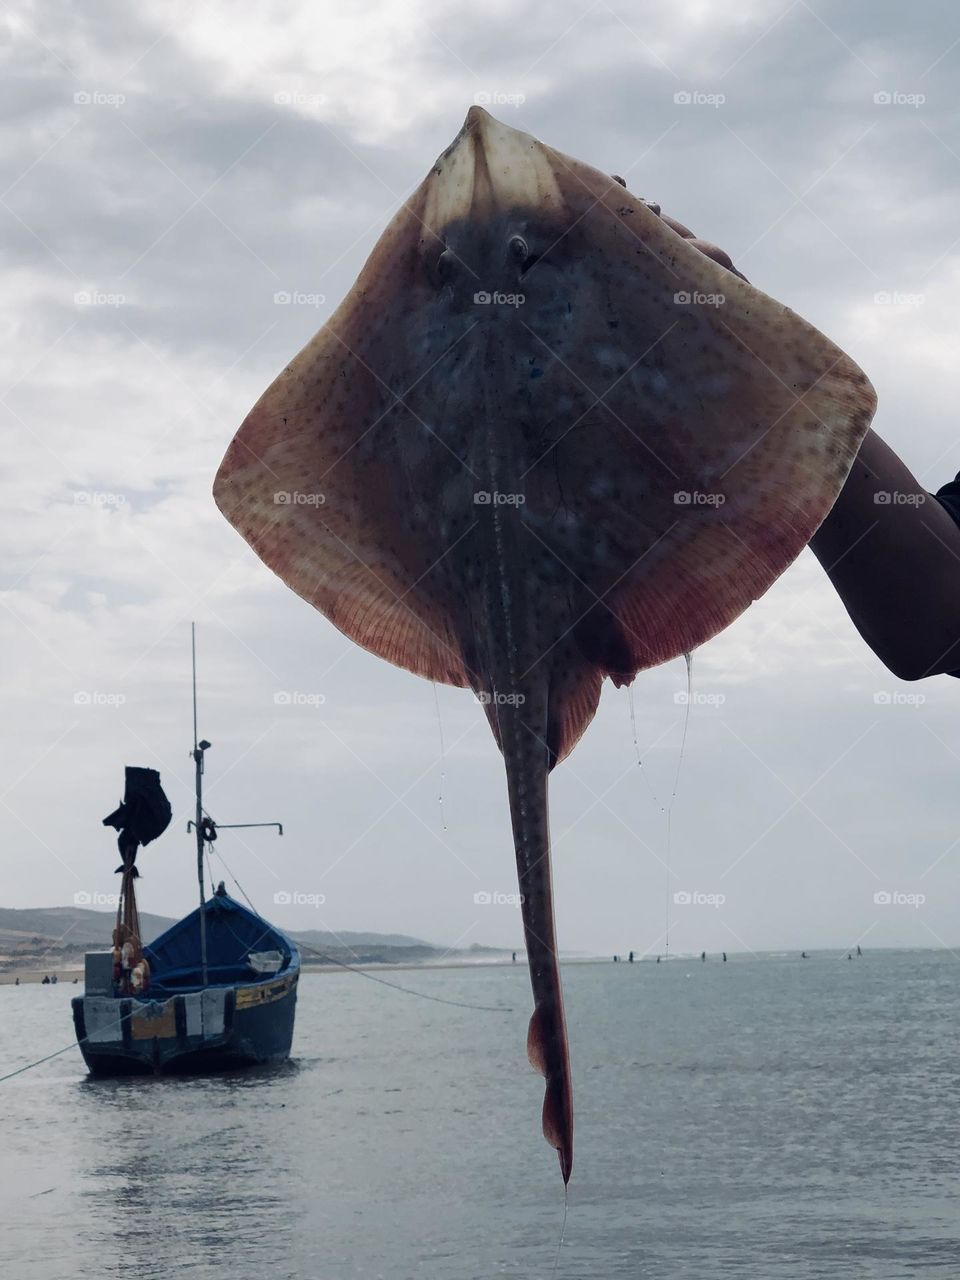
{"points": [[522, 728]]}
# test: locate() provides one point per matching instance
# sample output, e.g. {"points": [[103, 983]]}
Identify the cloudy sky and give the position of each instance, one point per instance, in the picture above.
{"points": [[168, 169]]}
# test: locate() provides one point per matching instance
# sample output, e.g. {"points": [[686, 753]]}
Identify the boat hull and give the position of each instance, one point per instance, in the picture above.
{"points": [[215, 1029]]}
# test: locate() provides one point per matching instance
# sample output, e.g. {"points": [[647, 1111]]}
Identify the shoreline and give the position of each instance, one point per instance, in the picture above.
{"points": [[67, 974]]}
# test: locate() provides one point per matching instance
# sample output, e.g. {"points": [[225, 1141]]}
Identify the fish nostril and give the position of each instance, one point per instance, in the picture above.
{"points": [[446, 266], [520, 252]]}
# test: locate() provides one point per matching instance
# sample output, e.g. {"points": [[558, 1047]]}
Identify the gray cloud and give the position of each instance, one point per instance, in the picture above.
{"points": [[801, 795]]}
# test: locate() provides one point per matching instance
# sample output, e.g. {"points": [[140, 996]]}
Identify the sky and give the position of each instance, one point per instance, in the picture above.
{"points": [[188, 191]]}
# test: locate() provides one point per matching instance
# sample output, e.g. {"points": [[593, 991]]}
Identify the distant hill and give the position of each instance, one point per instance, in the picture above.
{"points": [[68, 927], [66, 932]]}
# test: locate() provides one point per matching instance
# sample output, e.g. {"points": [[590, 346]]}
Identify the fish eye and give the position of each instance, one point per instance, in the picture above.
{"points": [[520, 252]]}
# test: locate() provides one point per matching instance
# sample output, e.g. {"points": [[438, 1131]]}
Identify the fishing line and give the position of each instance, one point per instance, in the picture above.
{"points": [[636, 746], [688, 658], [563, 1227], [320, 955], [436, 699]]}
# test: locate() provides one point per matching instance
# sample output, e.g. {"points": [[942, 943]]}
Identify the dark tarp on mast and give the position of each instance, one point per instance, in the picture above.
{"points": [[143, 815]]}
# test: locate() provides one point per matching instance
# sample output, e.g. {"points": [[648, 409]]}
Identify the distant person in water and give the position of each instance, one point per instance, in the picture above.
{"points": [[724, 957], [514, 957], [703, 956], [658, 959], [630, 957], [859, 952], [804, 956]]}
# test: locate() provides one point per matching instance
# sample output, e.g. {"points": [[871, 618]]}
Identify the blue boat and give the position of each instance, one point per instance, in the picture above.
{"points": [[218, 990], [243, 1014]]}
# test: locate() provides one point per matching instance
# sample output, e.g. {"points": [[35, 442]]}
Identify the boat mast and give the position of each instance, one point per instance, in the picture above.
{"points": [[198, 750]]}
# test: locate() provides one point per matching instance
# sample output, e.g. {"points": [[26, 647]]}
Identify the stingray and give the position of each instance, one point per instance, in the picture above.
{"points": [[544, 440]]}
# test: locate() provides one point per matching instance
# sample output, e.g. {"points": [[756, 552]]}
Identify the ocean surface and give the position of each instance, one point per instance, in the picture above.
{"points": [[765, 1118]]}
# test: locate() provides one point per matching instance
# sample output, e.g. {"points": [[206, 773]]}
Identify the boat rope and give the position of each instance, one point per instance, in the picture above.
{"points": [[409, 991], [31, 1065], [363, 973], [74, 1044]]}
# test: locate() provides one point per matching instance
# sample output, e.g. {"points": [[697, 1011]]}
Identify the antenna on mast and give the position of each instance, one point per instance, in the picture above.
{"points": [[198, 750], [203, 825]]}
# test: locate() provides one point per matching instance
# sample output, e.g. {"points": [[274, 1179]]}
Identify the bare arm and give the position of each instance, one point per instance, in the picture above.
{"points": [[893, 554], [890, 549]]}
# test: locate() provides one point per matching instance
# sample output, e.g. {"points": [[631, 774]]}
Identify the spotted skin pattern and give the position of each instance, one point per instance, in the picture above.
{"points": [[542, 441]]}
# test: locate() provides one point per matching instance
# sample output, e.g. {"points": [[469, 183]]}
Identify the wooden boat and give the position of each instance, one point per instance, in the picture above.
{"points": [[217, 990], [240, 1013]]}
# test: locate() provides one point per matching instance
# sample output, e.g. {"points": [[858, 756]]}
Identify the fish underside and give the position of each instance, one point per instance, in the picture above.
{"points": [[542, 441]]}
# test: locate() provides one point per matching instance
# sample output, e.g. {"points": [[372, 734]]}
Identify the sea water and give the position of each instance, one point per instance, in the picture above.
{"points": [[769, 1117]]}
